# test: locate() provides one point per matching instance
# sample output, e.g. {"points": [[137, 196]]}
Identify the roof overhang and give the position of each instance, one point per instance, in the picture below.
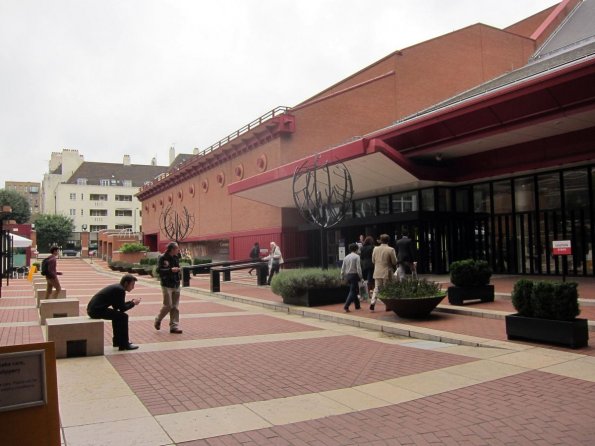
{"points": [[518, 127]]}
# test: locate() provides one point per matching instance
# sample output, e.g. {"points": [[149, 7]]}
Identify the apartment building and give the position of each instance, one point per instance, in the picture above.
{"points": [[29, 190]]}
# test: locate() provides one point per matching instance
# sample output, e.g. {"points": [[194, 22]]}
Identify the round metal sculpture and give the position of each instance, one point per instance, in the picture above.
{"points": [[322, 193], [176, 226]]}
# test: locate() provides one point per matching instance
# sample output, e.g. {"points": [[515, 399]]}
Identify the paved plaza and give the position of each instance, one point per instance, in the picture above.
{"points": [[249, 370]]}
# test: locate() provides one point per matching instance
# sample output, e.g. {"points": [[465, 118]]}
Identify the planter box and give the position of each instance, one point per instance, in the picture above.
{"points": [[319, 296], [413, 308], [574, 334], [458, 294], [140, 271]]}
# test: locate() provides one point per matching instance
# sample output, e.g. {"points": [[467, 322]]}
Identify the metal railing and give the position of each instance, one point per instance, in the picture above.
{"points": [[260, 120]]}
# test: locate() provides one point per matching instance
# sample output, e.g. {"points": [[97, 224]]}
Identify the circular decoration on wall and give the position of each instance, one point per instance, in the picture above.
{"points": [[161, 202], [154, 206], [204, 185], [239, 171], [191, 190], [261, 163], [147, 207], [180, 195], [221, 179], [170, 198]]}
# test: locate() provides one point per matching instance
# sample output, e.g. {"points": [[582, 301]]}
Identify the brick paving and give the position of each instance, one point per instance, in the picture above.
{"points": [[226, 375], [532, 408]]}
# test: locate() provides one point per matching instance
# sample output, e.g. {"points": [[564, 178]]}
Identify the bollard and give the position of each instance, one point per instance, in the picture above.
{"points": [[262, 275], [215, 281]]}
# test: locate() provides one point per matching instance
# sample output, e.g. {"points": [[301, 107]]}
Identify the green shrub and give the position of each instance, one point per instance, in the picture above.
{"points": [[409, 288], [542, 300], [294, 282], [565, 304], [153, 260], [470, 272], [133, 247], [201, 260], [521, 297]]}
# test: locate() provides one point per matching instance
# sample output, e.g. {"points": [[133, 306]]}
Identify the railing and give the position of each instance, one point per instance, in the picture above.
{"points": [[267, 116]]}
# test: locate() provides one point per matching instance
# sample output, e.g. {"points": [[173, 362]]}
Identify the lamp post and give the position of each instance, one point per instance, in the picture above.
{"points": [[84, 228], [5, 246]]}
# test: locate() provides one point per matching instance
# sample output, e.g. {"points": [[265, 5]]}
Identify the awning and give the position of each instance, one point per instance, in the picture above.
{"points": [[19, 242]]}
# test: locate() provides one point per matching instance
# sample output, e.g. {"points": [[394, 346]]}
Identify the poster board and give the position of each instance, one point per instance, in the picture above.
{"points": [[29, 413]]}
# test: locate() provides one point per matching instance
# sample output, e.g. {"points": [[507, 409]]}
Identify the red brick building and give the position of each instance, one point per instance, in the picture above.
{"points": [[414, 146]]}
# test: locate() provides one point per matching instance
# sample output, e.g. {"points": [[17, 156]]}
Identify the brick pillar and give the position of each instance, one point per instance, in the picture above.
{"points": [[84, 244]]}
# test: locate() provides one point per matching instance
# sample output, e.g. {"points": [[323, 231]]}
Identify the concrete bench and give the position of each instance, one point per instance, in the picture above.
{"points": [[40, 295], [75, 336], [51, 308]]}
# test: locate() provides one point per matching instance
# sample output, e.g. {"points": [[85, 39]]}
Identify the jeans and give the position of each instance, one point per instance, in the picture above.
{"points": [[171, 302], [353, 281]]}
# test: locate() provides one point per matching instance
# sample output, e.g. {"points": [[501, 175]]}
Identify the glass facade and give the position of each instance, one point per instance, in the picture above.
{"points": [[510, 222]]}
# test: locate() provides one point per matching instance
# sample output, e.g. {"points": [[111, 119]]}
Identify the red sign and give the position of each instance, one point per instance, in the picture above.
{"points": [[561, 247]]}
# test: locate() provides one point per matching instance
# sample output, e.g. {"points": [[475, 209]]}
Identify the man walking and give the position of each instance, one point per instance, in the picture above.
{"points": [[405, 256], [351, 271], [169, 272], [114, 296], [385, 262], [51, 275]]}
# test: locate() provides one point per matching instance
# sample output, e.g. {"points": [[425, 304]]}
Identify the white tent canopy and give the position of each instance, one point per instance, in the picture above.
{"points": [[20, 242]]}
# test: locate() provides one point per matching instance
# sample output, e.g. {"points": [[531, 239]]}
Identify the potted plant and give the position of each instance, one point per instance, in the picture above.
{"points": [[471, 280], [310, 286], [412, 297], [547, 312]]}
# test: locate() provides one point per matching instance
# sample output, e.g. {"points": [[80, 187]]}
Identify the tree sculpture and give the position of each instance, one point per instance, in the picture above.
{"points": [[322, 194], [174, 225]]}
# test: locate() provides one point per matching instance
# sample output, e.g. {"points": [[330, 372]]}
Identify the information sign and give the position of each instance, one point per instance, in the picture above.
{"points": [[561, 247], [22, 380]]}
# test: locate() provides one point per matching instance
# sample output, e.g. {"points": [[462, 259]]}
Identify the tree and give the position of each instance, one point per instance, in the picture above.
{"points": [[52, 230], [21, 211]]}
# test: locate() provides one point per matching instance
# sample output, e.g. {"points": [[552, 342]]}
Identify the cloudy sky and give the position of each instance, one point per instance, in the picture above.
{"points": [[115, 77]]}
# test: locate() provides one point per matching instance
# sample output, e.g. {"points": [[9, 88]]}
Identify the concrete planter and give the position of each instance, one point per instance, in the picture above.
{"points": [[319, 296], [414, 307], [457, 295], [574, 334]]}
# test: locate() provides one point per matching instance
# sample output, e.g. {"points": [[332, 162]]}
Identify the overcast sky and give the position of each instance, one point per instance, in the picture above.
{"points": [[115, 77]]}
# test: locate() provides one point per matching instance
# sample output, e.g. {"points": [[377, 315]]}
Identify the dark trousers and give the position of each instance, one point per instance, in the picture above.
{"points": [[119, 324], [353, 282], [274, 269]]}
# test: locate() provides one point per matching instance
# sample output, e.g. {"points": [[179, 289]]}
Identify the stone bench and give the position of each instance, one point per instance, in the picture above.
{"points": [[75, 336], [40, 295], [51, 308]]}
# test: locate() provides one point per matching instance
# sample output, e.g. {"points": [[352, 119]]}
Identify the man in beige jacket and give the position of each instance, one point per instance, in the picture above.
{"points": [[384, 259]]}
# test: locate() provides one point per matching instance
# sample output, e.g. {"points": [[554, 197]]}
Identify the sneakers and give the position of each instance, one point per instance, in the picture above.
{"points": [[157, 325], [176, 331]]}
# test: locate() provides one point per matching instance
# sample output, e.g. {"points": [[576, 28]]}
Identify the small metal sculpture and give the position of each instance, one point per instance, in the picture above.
{"points": [[322, 194], [175, 226]]}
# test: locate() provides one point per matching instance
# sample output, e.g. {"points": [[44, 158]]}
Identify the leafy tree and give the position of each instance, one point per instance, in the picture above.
{"points": [[21, 212], [52, 229]]}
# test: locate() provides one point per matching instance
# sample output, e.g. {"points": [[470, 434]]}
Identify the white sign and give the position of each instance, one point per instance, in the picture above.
{"points": [[22, 380], [561, 247], [341, 252]]}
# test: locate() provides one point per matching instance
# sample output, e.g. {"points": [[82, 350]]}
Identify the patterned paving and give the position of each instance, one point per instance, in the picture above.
{"points": [[191, 379], [532, 408]]}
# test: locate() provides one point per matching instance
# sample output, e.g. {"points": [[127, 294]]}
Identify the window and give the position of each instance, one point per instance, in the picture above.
{"points": [[481, 198], [95, 228], [365, 208], [576, 189], [123, 213], [123, 197], [82, 197], [123, 226], [98, 197], [404, 202], [444, 199], [98, 212], [73, 196], [104, 182], [81, 181], [502, 197], [462, 200], [127, 183], [524, 194], [427, 200], [384, 205], [73, 212], [549, 191], [82, 212]]}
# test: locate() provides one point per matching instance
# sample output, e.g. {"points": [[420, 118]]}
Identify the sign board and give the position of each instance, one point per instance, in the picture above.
{"points": [[561, 247], [341, 252], [22, 380]]}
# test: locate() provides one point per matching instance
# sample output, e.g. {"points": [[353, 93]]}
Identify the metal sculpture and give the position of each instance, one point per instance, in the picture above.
{"points": [[174, 225], [322, 194]]}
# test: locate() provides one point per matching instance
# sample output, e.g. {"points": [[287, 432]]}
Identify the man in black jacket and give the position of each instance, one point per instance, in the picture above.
{"points": [[169, 272], [114, 296]]}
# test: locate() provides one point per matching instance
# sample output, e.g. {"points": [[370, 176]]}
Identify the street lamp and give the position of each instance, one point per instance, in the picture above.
{"points": [[4, 246]]}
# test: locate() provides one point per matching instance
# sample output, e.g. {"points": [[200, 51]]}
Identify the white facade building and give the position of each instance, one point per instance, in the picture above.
{"points": [[95, 195]]}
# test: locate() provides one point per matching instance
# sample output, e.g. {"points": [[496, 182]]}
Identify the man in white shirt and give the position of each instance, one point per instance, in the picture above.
{"points": [[351, 270]]}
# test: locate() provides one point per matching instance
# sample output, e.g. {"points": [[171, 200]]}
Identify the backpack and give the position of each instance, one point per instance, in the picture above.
{"points": [[44, 266]]}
